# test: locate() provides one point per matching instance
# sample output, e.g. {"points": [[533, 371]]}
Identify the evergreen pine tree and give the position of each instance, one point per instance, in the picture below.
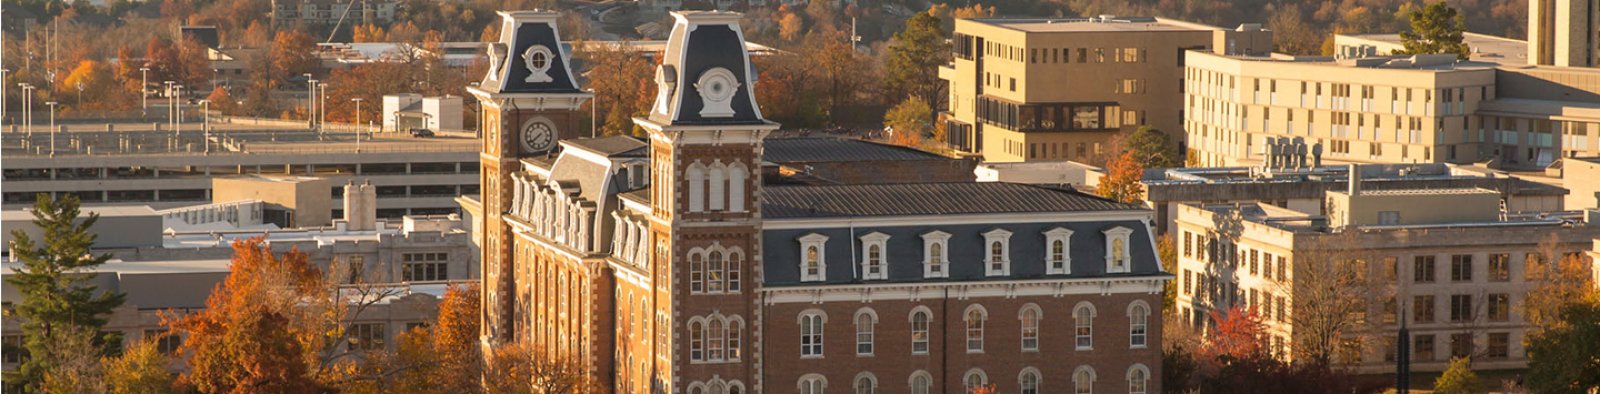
{"points": [[1435, 29], [57, 298]]}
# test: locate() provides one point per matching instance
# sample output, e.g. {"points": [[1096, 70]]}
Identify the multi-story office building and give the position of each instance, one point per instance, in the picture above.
{"points": [[1494, 109], [1448, 258], [1304, 190], [672, 265], [1564, 33], [1059, 89], [328, 12], [163, 170]]}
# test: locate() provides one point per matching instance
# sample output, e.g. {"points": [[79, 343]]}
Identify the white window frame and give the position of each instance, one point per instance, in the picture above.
{"points": [[983, 323], [1022, 378], [1022, 321], [866, 335], [1113, 235], [926, 330], [1146, 380], [880, 241], [820, 242], [696, 176], [1050, 259], [941, 261], [1002, 237], [869, 379], [1083, 331], [820, 330], [1138, 326], [966, 378], [812, 384], [926, 378], [1083, 375]]}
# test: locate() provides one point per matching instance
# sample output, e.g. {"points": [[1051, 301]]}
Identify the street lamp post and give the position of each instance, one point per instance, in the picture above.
{"points": [[3, 72], [168, 91], [52, 105], [358, 123], [311, 102], [177, 110], [205, 124], [27, 107], [322, 106], [144, 91]]}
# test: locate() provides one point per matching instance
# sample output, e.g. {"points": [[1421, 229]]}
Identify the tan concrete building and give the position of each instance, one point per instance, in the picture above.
{"points": [[1564, 33], [1581, 176], [1060, 89], [1484, 48], [1448, 258], [1420, 109]]}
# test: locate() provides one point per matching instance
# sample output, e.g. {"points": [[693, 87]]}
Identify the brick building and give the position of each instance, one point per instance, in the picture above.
{"points": [[673, 264]]}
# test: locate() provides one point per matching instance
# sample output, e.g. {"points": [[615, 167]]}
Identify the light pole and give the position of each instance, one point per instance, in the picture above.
{"points": [[52, 105], [358, 123], [168, 91], [144, 91], [205, 124], [177, 110], [27, 107], [3, 72], [311, 102]]}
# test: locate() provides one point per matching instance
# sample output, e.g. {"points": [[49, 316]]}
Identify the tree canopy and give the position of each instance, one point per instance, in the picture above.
{"points": [[914, 57], [58, 303], [1458, 378], [1121, 181], [1435, 29]]}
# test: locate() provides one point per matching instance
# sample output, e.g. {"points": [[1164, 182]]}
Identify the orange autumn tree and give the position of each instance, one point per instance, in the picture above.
{"points": [[1240, 333], [446, 353], [259, 328], [1121, 181]]}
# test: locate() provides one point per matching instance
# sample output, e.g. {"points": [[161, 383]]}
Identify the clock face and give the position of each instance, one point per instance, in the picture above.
{"points": [[538, 136]]}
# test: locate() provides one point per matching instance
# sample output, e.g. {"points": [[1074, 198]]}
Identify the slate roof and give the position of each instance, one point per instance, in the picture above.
{"points": [[830, 149], [613, 146], [811, 201]]}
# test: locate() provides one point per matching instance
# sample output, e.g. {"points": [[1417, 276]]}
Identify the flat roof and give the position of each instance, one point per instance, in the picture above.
{"points": [[103, 210], [1485, 48], [1083, 25], [838, 149]]}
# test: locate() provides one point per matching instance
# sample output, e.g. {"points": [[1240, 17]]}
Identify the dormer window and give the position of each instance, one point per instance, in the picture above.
{"points": [[813, 267], [935, 257], [874, 264], [1057, 261], [997, 262], [1117, 256]]}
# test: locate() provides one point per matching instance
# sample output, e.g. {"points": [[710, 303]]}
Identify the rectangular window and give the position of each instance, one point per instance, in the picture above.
{"points": [[1461, 308], [1423, 269], [1423, 309], [1461, 268], [919, 333], [366, 336], [811, 336], [422, 267], [1499, 345], [1499, 307], [13, 349], [1499, 267], [1422, 348], [1461, 345], [864, 328]]}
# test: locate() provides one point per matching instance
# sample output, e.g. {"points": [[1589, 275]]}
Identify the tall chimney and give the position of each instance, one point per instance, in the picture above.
{"points": [[1355, 180], [360, 206]]}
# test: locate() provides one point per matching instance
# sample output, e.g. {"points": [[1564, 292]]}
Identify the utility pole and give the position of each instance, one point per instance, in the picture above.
{"points": [[177, 111], [168, 92], [205, 124], [3, 72], [358, 123], [322, 107]]}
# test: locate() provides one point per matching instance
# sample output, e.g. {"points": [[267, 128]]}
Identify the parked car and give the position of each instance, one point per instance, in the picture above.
{"points": [[421, 133]]}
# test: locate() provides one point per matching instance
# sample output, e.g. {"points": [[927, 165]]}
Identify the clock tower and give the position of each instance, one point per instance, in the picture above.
{"points": [[528, 102]]}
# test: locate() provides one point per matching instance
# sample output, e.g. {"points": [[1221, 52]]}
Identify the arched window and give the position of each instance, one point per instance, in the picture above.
{"points": [[811, 334], [714, 270], [813, 261], [735, 260], [1030, 328], [865, 320], [1058, 254], [974, 379], [734, 328], [1138, 324], [813, 384], [936, 257], [997, 252], [866, 383], [1083, 380], [719, 186], [1029, 381], [873, 263], [697, 336], [1138, 379], [737, 173], [714, 339], [998, 263], [921, 382], [874, 260], [1083, 320], [919, 331], [697, 272], [1119, 255], [975, 318], [696, 175]]}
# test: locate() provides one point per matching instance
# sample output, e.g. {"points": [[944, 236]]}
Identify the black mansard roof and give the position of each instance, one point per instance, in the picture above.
{"points": [[832, 149], [614, 146], [794, 202]]}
